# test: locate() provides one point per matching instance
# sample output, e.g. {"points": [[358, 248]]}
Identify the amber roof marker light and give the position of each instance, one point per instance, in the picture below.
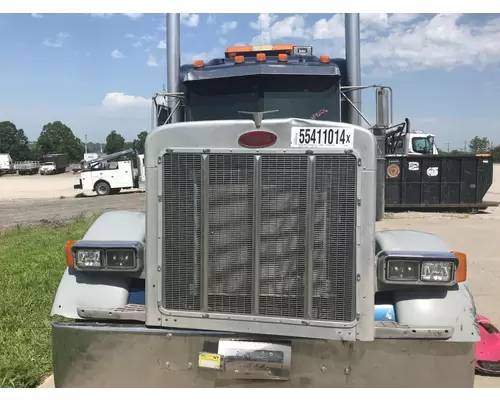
{"points": [[198, 64]]}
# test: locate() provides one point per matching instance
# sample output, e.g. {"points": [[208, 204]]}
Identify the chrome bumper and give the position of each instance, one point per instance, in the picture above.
{"points": [[122, 355]]}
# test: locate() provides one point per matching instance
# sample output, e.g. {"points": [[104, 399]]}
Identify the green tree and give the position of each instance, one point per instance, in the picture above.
{"points": [[59, 138], [495, 152], [479, 145], [93, 147], [140, 141], [128, 145], [114, 142], [13, 141]]}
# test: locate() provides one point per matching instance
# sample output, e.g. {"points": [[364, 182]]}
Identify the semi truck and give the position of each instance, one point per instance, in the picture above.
{"points": [[257, 262], [54, 164], [109, 174]]}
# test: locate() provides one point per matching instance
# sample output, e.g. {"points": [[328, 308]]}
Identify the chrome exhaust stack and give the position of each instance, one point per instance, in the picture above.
{"points": [[353, 60], [173, 41]]}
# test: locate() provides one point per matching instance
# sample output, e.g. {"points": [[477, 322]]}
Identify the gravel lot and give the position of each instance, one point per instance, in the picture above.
{"points": [[45, 199], [34, 199]]}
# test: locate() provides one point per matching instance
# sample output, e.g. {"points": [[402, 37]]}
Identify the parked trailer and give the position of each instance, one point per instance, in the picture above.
{"points": [[256, 262], [27, 167]]}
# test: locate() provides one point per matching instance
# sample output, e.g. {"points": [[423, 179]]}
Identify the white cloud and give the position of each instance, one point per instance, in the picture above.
{"points": [[137, 44], [190, 20], [130, 36], [148, 38], [264, 21], [271, 28], [133, 16], [162, 44], [395, 42], [122, 101], [58, 42], [187, 58], [152, 61], [117, 54], [103, 15], [228, 26], [329, 28], [118, 106], [210, 19], [37, 15]]}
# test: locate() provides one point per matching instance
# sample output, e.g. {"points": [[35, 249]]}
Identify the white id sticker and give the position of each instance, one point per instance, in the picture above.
{"points": [[330, 137]]}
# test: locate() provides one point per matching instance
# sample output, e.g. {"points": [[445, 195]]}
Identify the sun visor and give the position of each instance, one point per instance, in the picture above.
{"points": [[230, 70]]}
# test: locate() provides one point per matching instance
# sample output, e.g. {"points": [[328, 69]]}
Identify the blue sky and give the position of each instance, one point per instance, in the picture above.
{"points": [[97, 72]]}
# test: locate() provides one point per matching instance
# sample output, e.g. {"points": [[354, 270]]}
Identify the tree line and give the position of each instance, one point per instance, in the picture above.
{"points": [[57, 137], [477, 145]]}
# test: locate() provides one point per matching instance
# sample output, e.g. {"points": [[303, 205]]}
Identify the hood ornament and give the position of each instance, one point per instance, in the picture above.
{"points": [[257, 116]]}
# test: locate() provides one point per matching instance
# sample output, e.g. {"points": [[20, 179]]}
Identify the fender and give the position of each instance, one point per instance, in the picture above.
{"points": [[431, 306], [84, 289]]}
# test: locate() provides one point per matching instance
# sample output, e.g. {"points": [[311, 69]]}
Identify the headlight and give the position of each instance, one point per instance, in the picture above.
{"points": [[88, 258], [120, 258], [417, 268], [402, 270], [107, 256], [436, 271]]}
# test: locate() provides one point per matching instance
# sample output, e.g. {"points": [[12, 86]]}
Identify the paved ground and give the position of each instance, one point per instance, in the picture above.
{"points": [[36, 199]]}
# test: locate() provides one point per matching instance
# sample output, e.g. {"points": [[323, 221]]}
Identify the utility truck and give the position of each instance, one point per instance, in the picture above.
{"points": [[111, 173], [256, 262]]}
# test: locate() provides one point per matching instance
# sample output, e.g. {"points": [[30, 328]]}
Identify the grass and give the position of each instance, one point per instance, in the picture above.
{"points": [[31, 264]]}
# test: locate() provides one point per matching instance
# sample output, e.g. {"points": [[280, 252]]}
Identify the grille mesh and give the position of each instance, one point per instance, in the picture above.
{"points": [[210, 226], [334, 238], [182, 231], [283, 227], [230, 233]]}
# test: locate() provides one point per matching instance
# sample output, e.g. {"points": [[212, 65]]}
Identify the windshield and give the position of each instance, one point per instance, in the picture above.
{"points": [[422, 145], [49, 163], [308, 97]]}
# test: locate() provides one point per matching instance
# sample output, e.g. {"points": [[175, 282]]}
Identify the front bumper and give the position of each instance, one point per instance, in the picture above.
{"points": [[87, 354], [78, 185]]}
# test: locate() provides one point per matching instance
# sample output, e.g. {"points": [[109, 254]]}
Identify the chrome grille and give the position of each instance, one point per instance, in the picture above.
{"points": [[272, 235], [282, 235], [182, 231], [230, 192]]}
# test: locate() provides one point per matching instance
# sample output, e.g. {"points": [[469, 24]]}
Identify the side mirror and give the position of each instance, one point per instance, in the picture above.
{"points": [[382, 107], [162, 114]]}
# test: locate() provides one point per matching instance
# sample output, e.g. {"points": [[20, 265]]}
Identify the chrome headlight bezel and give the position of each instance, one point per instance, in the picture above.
{"points": [[136, 250], [418, 257]]}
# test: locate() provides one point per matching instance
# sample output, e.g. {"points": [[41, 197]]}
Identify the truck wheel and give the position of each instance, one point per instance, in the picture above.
{"points": [[102, 189]]}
